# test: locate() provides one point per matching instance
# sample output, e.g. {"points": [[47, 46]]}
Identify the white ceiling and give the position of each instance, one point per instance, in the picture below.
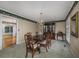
{"points": [[52, 10]]}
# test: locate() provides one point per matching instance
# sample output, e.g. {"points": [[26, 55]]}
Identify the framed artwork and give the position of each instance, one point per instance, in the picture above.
{"points": [[74, 25]]}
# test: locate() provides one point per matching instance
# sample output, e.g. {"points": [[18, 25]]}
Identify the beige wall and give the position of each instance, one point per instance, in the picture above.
{"points": [[60, 26], [74, 42], [24, 27]]}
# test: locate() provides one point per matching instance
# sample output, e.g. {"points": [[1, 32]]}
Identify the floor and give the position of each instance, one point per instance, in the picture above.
{"points": [[59, 49]]}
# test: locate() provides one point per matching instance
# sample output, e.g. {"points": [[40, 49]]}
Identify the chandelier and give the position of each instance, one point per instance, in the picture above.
{"points": [[40, 20], [40, 23]]}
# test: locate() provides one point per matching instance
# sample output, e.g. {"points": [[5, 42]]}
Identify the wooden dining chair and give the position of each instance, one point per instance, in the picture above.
{"points": [[48, 38], [31, 46], [44, 42]]}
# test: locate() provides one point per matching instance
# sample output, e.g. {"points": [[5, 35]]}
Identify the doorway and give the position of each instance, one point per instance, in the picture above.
{"points": [[9, 34]]}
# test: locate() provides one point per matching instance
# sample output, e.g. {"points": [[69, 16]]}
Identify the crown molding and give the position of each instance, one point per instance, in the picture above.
{"points": [[16, 16], [55, 21], [75, 3]]}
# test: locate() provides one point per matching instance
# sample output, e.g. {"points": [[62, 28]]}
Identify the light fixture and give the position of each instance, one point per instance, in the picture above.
{"points": [[40, 20], [40, 23]]}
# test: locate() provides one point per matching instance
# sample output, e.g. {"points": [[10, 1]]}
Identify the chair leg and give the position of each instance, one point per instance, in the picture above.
{"points": [[26, 53], [33, 52], [48, 45], [46, 48], [39, 50]]}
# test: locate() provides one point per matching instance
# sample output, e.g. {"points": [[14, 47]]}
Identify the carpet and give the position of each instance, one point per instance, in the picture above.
{"points": [[58, 49]]}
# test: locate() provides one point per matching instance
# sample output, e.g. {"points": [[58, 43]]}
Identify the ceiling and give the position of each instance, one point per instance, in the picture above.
{"points": [[52, 10]]}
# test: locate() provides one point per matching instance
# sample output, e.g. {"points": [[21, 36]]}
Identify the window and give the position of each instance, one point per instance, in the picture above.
{"points": [[8, 29]]}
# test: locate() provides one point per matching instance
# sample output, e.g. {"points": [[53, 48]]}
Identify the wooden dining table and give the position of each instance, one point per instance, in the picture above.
{"points": [[38, 38]]}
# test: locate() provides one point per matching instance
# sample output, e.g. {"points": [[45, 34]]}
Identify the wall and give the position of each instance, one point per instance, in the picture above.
{"points": [[68, 30], [0, 33], [60, 26], [74, 42], [24, 27]]}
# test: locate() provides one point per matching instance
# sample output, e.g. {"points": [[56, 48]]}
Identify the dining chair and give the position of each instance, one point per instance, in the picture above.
{"points": [[31, 46]]}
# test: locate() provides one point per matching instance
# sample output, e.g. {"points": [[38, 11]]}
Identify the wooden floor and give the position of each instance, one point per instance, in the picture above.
{"points": [[8, 40]]}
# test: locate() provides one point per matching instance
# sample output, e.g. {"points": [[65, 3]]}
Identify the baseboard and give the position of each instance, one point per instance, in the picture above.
{"points": [[20, 42]]}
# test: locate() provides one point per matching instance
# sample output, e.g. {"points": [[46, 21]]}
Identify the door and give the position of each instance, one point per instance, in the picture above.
{"points": [[9, 35]]}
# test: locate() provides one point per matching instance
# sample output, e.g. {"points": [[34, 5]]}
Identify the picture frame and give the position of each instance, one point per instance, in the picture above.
{"points": [[74, 25]]}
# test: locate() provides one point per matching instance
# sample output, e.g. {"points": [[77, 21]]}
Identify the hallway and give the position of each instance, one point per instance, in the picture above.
{"points": [[57, 50]]}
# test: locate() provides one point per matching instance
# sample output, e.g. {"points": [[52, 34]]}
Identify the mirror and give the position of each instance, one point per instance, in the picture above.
{"points": [[74, 25]]}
